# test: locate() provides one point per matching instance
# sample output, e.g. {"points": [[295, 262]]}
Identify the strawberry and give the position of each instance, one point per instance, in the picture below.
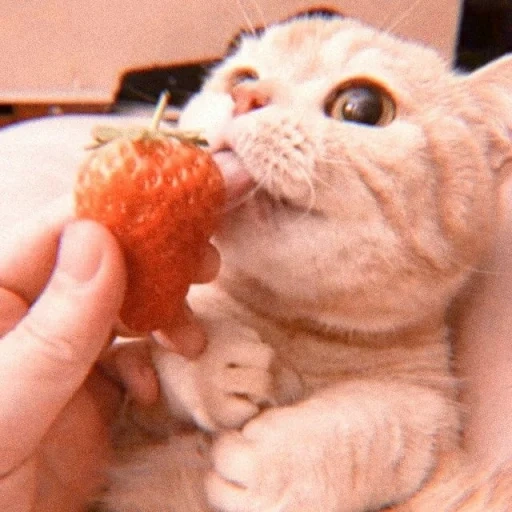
{"points": [[161, 197]]}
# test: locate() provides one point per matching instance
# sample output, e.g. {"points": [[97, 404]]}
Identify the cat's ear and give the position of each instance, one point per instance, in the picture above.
{"points": [[492, 85]]}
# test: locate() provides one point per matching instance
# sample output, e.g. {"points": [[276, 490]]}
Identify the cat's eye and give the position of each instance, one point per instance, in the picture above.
{"points": [[365, 104], [242, 75]]}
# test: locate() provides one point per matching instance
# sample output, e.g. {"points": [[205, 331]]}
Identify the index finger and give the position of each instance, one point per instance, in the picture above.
{"points": [[28, 249]]}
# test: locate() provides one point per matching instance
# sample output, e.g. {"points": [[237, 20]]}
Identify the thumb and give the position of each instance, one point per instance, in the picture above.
{"points": [[47, 356]]}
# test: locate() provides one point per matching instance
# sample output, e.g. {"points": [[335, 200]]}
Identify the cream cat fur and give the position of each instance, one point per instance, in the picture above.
{"points": [[327, 385]]}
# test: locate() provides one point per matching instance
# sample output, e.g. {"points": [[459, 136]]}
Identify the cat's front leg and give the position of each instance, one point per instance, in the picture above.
{"points": [[356, 448], [232, 381]]}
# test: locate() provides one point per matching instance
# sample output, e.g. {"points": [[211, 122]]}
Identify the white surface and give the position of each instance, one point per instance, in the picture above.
{"points": [[39, 160]]}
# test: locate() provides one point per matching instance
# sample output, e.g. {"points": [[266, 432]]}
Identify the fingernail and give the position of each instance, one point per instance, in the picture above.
{"points": [[80, 252]]}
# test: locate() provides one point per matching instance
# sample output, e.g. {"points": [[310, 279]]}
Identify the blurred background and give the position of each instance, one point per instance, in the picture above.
{"points": [[484, 33]]}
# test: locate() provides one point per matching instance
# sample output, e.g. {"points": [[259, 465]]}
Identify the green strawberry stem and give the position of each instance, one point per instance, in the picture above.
{"points": [[103, 134], [163, 101]]}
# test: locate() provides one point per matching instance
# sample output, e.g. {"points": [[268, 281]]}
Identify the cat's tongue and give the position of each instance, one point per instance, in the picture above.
{"points": [[238, 180]]}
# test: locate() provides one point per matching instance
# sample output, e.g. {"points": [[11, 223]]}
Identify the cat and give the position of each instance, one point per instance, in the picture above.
{"points": [[363, 175]]}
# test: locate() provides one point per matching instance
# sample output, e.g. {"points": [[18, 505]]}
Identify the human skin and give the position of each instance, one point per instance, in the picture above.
{"points": [[61, 286], [52, 406]]}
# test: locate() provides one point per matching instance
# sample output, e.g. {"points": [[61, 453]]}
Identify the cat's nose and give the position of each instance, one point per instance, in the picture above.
{"points": [[248, 96]]}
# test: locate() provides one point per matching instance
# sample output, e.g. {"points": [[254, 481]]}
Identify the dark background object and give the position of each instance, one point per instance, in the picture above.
{"points": [[485, 33]]}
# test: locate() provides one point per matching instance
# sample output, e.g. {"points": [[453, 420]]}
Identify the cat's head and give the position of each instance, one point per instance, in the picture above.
{"points": [[367, 167]]}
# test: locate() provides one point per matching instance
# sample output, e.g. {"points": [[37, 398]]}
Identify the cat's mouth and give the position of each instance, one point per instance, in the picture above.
{"points": [[240, 185], [238, 180]]}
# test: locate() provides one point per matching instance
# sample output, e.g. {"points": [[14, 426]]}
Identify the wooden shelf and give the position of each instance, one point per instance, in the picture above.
{"points": [[12, 113]]}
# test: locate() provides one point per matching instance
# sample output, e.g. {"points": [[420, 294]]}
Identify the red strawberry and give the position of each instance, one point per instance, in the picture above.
{"points": [[162, 198]]}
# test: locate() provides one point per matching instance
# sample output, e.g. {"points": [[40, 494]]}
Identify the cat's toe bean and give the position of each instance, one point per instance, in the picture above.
{"points": [[253, 384], [250, 353]]}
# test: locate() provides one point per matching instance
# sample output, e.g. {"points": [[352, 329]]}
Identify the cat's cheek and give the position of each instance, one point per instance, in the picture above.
{"points": [[209, 112]]}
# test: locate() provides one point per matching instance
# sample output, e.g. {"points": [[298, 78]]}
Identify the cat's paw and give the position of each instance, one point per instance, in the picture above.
{"points": [[234, 376], [264, 467], [228, 384]]}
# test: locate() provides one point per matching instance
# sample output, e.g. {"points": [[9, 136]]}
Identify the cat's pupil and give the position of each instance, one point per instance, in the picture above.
{"points": [[362, 105]]}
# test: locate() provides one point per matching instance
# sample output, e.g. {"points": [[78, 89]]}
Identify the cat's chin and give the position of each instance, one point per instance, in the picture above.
{"points": [[269, 206]]}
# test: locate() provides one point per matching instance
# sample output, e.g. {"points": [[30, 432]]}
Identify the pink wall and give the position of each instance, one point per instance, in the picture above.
{"points": [[76, 50]]}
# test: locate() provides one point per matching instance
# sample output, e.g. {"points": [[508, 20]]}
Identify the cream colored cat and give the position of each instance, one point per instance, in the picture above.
{"points": [[363, 176]]}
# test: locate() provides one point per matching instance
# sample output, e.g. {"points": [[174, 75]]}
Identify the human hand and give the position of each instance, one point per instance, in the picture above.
{"points": [[61, 287], [54, 324]]}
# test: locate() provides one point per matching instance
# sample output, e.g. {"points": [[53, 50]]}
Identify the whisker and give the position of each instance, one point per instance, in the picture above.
{"points": [[391, 24], [484, 272], [259, 11], [246, 17], [309, 180], [463, 266], [328, 186], [335, 161], [474, 270], [312, 201], [233, 205]]}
